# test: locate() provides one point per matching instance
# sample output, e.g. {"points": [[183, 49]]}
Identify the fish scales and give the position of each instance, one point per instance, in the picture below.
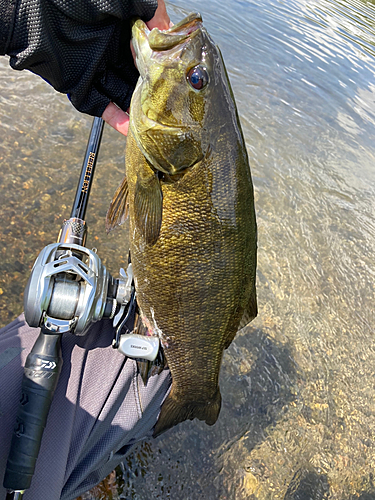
{"points": [[195, 268]]}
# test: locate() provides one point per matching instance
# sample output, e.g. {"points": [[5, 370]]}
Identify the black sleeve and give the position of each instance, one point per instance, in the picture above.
{"points": [[7, 8], [80, 47]]}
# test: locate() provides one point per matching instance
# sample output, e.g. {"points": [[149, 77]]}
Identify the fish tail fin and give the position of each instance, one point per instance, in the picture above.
{"points": [[173, 412]]}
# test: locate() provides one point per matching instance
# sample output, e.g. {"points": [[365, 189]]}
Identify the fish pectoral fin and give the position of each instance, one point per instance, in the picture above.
{"points": [[174, 411], [119, 208], [148, 206]]}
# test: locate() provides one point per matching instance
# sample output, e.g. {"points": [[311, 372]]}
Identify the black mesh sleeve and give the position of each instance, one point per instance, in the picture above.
{"points": [[7, 8], [80, 47]]}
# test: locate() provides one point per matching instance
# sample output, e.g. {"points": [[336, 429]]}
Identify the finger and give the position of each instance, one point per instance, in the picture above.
{"points": [[116, 118], [161, 19]]}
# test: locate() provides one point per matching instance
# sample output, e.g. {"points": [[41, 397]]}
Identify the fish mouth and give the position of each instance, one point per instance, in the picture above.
{"points": [[177, 34], [146, 42]]}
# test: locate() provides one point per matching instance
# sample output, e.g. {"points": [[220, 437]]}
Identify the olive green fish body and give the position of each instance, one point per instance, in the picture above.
{"points": [[192, 219], [194, 284]]}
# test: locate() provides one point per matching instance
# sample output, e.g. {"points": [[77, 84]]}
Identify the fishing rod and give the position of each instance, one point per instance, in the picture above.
{"points": [[69, 289]]}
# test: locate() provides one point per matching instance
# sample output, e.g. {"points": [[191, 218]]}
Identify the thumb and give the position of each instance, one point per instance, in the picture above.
{"points": [[116, 118]]}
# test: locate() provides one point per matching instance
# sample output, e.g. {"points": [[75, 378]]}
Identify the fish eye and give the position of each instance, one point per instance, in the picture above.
{"points": [[198, 77]]}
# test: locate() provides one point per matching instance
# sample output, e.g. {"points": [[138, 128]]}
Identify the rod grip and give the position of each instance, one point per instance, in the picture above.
{"points": [[41, 374]]}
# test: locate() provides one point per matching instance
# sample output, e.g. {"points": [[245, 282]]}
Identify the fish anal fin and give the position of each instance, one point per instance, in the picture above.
{"points": [[119, 208], [148, 207], [174, 412], [146, 368], [143, 366], [139, 327]]}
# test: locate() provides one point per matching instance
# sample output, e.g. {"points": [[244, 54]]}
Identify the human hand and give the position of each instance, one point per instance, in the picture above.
{"points": [[82, 48], [161, 19], [115, 116]]}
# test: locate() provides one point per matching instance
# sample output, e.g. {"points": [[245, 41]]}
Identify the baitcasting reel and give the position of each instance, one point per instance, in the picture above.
{"points": [[69, 289]]}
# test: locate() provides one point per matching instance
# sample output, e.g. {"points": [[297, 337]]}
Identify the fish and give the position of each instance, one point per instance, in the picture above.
{"points": [[189, 196]]}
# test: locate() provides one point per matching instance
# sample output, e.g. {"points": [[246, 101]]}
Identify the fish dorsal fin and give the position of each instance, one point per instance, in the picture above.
{"points": [[250, 312], [148, 206], [119, 208]]}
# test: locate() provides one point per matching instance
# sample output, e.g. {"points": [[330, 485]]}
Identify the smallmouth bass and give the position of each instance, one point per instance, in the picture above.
{"points": [[189, 194]]}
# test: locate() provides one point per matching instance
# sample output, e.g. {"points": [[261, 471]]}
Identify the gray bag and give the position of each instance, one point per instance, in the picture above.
{"points": [[101, 408]]}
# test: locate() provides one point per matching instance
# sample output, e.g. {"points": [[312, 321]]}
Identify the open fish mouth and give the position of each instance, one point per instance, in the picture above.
{"points": [[177, 34], [165, 40], [149, 43]]}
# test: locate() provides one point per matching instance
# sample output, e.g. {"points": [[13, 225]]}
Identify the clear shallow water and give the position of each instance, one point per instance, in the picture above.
{"points": [[298, 415]]}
